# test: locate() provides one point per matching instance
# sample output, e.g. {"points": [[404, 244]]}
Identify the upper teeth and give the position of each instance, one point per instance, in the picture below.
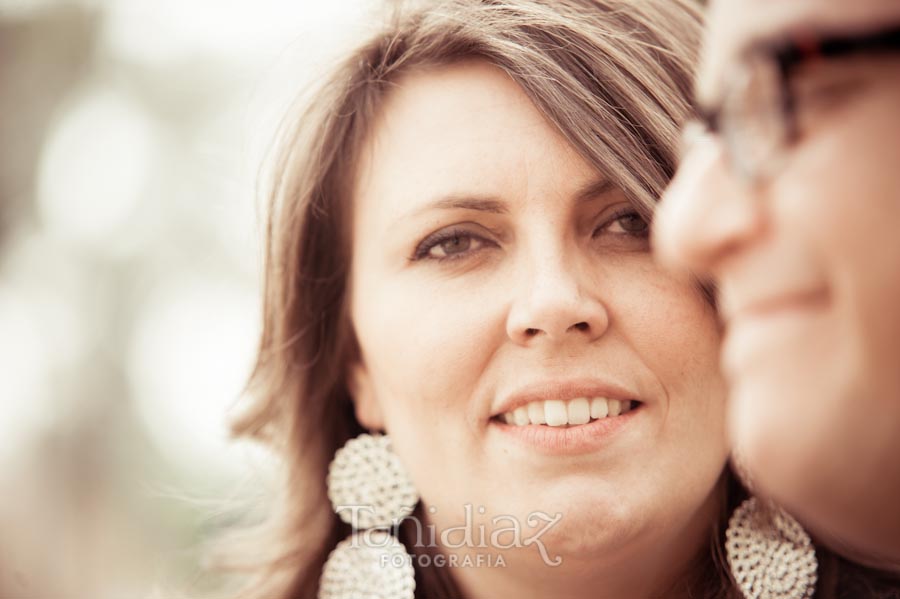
{"points": [[554, 412]]}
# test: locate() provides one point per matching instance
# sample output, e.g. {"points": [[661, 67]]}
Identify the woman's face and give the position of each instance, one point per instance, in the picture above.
{"points": [[494, 268]]}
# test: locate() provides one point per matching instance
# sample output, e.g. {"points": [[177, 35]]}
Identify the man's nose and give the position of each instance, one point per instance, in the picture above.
{"points": [[705, 215]]}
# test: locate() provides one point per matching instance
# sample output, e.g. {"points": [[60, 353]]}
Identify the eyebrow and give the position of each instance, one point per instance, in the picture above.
{"points": [[466, 202], [494, 205], [594, 189]]}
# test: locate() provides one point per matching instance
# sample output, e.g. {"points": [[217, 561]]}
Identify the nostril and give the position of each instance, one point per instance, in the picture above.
{"points": [[582, 326], [531, 332]]}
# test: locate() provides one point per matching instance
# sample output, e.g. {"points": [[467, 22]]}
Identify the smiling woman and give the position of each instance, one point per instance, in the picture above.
{"points": [[458, 257]]}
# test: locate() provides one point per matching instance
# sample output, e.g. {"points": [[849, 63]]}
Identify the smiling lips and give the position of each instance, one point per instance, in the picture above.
{"points": [[559, 413], [563, 404], [565, 417]]}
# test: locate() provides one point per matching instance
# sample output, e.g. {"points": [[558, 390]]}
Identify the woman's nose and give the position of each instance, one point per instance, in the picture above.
{"points": [[554, 301], [705, 214]]}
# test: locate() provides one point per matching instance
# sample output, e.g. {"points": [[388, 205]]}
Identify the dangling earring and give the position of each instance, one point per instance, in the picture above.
{"points": [[370, 490], [769, 553]]}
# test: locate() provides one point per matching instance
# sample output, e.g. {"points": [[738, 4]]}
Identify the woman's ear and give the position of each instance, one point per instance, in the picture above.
{"points": [[365, 403]]}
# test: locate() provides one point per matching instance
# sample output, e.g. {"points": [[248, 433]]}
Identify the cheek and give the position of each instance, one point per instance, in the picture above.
{"points": [[841, 188], [424, 338], [842, 205], [675, 333], [672, 328], [427, 345]]}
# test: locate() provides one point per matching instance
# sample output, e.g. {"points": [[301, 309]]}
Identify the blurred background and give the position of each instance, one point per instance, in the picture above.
{"points": [[132, 135]]}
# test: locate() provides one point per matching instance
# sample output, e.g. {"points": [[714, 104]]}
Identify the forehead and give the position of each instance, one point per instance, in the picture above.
{"points": [[735, 24], [461, 130]]}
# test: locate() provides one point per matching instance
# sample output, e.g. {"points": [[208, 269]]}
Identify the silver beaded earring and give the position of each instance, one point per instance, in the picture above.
{"points": [[769, 553], [370, 490]]}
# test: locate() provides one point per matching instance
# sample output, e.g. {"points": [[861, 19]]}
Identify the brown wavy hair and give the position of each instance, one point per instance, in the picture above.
{"points": [[612, 76]]}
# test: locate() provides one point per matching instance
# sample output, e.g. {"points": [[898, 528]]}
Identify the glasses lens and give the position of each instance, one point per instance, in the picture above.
{"points": [[753, 119]]}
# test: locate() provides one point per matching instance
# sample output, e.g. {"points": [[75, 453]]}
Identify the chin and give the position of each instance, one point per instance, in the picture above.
{"points": [[595, 538], [589, 525]]}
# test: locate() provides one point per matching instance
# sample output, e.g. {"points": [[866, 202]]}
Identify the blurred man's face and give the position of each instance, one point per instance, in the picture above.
{"points": [[807, 256]]}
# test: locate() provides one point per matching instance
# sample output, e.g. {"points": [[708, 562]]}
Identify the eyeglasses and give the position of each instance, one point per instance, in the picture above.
{"points": [[756, 119]]}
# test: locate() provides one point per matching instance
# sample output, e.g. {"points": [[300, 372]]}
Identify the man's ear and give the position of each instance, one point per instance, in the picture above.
{"points": [[365, 403]]}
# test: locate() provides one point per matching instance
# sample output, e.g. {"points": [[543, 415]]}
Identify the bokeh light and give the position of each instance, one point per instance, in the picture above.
{"points": [[191, 354], [130, 236], [95, 166]]}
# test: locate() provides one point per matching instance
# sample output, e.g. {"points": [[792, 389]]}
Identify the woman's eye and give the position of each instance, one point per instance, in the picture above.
{"points": [[457, 244], [633, 223], [625, 222], [449, 245]]}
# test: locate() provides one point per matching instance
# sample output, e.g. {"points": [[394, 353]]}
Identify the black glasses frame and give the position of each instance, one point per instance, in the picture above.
{"points": [[787, 55]]}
